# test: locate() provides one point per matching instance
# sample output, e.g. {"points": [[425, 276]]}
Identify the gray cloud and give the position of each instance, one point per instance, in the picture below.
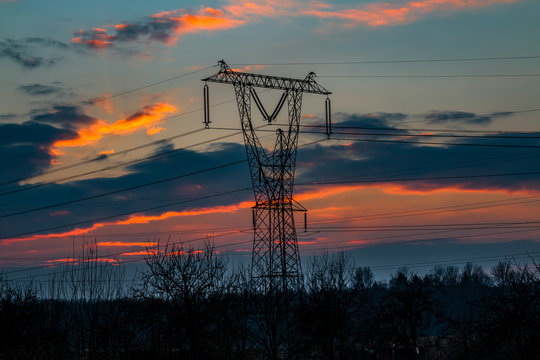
{"points": [[23, 52], [36, 89]]}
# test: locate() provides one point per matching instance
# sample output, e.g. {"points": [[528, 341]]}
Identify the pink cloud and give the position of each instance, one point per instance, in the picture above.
{"points": [[168, 26], [388, 14]]}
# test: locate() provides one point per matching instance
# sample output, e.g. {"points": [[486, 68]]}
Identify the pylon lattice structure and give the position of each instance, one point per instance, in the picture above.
{"points": [[275, 259]]}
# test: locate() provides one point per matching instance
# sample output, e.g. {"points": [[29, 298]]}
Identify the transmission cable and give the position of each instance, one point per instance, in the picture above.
{"points": [[437, 143], [157, 247], [99, 158], [12, 236], [136, 187], [103, 98], [391, 61], [431, 76], [125, 163]]}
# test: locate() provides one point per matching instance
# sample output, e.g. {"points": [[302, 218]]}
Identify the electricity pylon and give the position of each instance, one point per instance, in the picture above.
{"points": [[275, 259]]}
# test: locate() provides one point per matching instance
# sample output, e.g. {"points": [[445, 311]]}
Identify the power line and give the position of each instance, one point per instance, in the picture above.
{"points": [[393, 61], [123, 214], [432, 76], [454, 261], [413, 241], [407, 141], [125, 92], [97, 258], [141, 210], [439, 209], [455, 177], [479, 131], [136, 187], [152, 84], [438, 143], [243, 242], [408, 134], [100, 157], [431, 225], [125, 163], [350, 247], [357, 181], [446, 262]]}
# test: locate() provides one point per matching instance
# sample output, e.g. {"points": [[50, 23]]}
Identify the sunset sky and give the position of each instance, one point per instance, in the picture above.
{"points": [[436, 109]]}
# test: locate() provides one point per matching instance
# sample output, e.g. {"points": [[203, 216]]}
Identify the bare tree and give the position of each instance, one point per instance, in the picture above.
{"points": [[187, 282], [512, 312]]}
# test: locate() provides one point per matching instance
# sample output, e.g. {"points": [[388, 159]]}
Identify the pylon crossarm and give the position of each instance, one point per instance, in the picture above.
{"points": [[228, 76]]}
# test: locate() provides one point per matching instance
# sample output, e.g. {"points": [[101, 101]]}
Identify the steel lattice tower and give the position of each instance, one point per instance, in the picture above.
{"points": [[275, 259]]}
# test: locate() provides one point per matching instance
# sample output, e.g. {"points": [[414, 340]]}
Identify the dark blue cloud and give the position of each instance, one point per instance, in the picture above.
{"points": [[327, 162], [65, 116], [173, 164], [373, 158], [24, 148], [460, 117], [4, 117]]}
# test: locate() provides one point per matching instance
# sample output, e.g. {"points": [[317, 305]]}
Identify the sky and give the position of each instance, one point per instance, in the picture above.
{"points": [[434, 157]]}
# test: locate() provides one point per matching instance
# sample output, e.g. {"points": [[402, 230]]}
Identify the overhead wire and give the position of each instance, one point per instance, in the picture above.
{"points": [[99, 158], [130, 188], [118, 94], [112, 256], [121, 164], [25, 233], [517, 146], [136, 211], [431, 76], [390, 61]]}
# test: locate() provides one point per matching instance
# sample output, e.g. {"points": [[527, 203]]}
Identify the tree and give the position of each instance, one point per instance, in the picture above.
{"points": [[188, 283], [512, 312], [409, 311], [331, 305]]}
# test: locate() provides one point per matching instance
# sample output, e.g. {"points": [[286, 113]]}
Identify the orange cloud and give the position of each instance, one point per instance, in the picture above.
{"points": [[126, 244], [320, 192], [145, 119], [100, 39], [64, 260], [154, 130], [138, 219], [106, 152], [138, 253]]}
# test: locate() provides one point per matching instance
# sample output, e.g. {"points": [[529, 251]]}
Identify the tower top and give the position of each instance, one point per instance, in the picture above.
{"points": [[229, 76]]}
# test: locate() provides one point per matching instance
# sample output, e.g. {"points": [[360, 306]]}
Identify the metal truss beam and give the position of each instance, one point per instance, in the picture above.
{"points": [[228, 76]]}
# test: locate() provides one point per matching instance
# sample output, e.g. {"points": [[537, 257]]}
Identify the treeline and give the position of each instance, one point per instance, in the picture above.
{"points": [[189, 304]]}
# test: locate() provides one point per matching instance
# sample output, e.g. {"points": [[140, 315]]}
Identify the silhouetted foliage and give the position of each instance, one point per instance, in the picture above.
{"points": [[190, 304]]}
